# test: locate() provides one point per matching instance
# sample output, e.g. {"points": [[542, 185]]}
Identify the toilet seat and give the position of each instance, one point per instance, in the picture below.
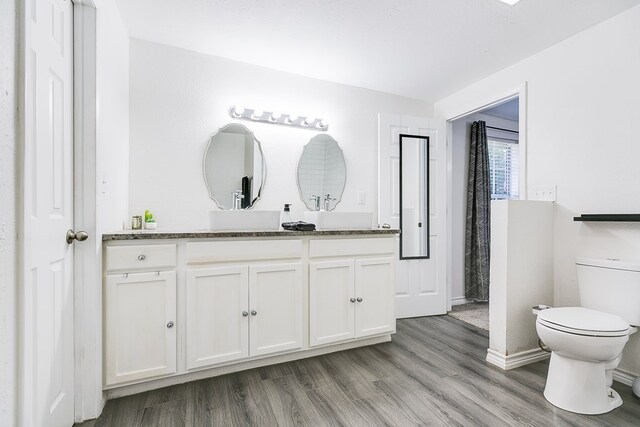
{"points": [[584, 322]]}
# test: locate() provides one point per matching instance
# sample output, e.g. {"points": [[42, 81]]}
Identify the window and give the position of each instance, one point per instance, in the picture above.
{"points": [[503, 168]]}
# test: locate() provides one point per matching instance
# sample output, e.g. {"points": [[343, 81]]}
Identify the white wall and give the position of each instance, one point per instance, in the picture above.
{"points": [[112, 127], [521, 271], [460, 142], [8, 227], [582, 135], [180, 98]]}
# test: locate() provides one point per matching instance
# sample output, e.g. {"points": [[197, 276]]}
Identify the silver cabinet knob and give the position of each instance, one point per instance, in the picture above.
{"points": [[359, 299], [142, 257], [245, 314], [253, 312], [170, 324], [352, 299], [72, 236], [386, 225]]}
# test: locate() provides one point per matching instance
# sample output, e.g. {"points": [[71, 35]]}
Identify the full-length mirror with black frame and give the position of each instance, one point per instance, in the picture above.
{"points": [[414, 196]]}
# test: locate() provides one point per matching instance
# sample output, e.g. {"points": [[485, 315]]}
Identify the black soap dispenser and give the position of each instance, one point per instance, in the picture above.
{"points": [[286, 213]]}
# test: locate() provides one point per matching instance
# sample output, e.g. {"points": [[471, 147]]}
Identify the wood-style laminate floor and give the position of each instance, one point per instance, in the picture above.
{"points": [[433, 372]]}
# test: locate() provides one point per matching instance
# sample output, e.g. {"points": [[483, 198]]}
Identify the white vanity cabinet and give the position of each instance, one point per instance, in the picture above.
{"points": [[276, 308], [240, 311], [140, 313], [182, 308], [217, 329], [350, 297]]}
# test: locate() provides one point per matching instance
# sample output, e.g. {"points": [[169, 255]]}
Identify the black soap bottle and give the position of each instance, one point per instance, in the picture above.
{"points": [[286, 213]]}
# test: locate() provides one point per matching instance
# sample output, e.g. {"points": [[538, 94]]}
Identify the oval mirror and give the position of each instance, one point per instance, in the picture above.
{"points": [[234, 167], [321, 173]]}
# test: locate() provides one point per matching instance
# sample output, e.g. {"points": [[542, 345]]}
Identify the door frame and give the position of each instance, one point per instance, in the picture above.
{"points": [[88, 330], [519, 92]]}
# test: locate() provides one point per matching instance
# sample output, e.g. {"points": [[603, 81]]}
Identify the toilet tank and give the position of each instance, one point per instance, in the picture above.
{"points": [[611, 286]]}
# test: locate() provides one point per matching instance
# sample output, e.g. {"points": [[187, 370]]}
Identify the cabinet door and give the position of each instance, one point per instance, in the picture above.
{"points": [[375, 290], [140, 315], [217, 315], [275, 300], [331, 310]]}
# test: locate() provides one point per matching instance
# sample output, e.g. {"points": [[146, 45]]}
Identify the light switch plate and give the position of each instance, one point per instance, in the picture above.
{"points": [[361, 197], [546, 193]]}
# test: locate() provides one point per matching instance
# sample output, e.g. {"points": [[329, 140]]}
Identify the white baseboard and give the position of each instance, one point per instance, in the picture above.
{"points": [[531, 356], [623, 377], [460, 301], [516, 360]]}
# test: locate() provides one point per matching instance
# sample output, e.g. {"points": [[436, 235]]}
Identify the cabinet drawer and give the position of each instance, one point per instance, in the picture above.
{"points": [[207, 252], [351, 247], [141, 257]]}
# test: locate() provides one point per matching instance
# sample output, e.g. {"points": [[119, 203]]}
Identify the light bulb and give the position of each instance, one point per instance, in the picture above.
{"points": [[292, 118], [321, 123], [257, 114], [275, 116], [309, 120], [238, 110]]}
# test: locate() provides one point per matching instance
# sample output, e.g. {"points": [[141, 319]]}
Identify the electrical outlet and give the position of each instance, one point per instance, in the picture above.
{"points": [[361, 197], [546, 193]]}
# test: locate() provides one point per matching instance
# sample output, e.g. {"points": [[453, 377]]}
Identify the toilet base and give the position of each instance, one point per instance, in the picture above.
{"points": [[579, 386]]}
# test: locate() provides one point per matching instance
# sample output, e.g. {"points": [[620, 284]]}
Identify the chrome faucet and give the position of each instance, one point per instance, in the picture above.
{"points": [[237, 197], [327, 201], [316, 202]]}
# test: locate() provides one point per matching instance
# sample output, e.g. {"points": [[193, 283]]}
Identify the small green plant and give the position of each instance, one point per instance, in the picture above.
{"points": [[148, 216]]}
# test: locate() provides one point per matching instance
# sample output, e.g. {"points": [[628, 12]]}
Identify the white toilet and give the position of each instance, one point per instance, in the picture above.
{"points": [[586, 342]]}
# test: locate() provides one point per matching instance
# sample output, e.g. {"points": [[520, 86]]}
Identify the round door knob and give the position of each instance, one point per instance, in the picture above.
{"points": [[170, 324], [80, 236], [359, 299], [253, 312], [142, 257], [245, 314], [352, 299]]}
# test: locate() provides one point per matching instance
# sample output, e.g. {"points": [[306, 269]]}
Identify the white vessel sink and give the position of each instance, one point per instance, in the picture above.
{"points": [[331, 220], [244, 220]]}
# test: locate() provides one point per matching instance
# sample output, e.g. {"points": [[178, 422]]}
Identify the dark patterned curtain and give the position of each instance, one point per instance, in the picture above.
{"points": [[478, 232]]}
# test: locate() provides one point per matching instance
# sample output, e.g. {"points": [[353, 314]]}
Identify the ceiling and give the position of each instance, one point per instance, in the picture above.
{"points": [[509, 110], [424, 49]]}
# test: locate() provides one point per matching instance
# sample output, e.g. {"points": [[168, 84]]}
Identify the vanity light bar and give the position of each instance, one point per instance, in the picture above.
{"points": [[309, 122]]}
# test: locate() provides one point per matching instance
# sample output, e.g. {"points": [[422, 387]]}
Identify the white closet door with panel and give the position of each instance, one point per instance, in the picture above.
{"points": [[421, 284], [217, 315], [276, 308], [140, 326], [374, 289], [331, 301], [46, 357]]}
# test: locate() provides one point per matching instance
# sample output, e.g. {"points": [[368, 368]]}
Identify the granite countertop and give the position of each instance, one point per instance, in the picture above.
{"points": [[208, 234]]}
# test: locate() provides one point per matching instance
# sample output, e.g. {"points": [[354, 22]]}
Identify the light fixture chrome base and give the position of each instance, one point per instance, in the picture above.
{"points": [[277, 119]]}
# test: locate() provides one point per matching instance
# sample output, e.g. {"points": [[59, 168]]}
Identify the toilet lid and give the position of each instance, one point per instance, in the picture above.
{"points": [[583, 321]]}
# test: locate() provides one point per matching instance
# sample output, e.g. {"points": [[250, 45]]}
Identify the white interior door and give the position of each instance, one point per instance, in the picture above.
{"points": [[421, 286], [47, 397]]}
